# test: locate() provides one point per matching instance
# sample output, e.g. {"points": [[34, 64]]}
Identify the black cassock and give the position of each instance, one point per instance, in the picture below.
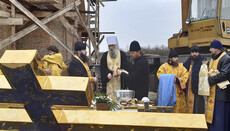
{"points": [[138, 77], [105, 71], [76, 68]]}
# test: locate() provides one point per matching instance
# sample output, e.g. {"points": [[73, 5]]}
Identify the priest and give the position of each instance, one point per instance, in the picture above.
{"points": [[112, 60], [181, 76]]}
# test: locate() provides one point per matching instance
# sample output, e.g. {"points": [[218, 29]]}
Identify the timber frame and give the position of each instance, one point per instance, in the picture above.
{"points": [[81, 23]]}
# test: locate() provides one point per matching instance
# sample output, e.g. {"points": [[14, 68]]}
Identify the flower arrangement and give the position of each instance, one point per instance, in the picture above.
{"points": [[103, 98]]}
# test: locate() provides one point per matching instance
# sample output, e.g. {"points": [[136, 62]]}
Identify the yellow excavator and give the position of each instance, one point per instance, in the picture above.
{"points": [[202, 22]]}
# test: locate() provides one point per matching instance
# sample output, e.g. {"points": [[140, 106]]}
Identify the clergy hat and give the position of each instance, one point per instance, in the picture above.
{"points": [[80, 46], [112, 40], [134, 46], [53, 48], [195, 48], [216, 44], [172, 54]]}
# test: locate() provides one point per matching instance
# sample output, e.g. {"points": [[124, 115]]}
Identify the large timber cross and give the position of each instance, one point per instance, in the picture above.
{"points": [[39, 93]]}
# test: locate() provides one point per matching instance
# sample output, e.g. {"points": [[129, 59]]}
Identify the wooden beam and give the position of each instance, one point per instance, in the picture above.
{"points": [[25, 3], [39, 23], [42, 14], [87, 12], [7, 14], [13, 28], [6, 1], [11, 21], [33, 27], [69, 27], [71, 14], [25, 18], [44, 1], [101, 3], [92, 38], [107, 32], [4, 13], [98, 44]]}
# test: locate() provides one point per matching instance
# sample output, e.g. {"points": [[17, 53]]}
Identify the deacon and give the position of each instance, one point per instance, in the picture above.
{"points": [[138, 77], [218, 103], [181, 77], [111, 61], [53, 63], [195, 102], [78, 66]]}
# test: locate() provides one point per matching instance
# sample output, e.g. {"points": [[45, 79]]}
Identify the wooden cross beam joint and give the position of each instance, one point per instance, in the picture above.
{"points": [[6, 42]]}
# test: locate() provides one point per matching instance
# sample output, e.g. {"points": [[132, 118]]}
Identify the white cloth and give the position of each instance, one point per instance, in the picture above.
{"points": [[221, 85], [112, 40]]}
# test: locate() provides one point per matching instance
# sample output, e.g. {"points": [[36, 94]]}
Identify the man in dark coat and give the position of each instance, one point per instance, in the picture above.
{"points": [[111, 61], [138, 76], [78, 66], [195, 102], [218, 103]]}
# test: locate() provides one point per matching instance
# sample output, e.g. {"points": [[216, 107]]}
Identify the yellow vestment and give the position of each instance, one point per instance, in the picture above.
{"points": [[182, 74], [211, 99], [115, 82], [190, 95], [86, 68], [55, 63], [91, 79]]}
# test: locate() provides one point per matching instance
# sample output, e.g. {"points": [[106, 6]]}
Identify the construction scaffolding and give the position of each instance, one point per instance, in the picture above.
{"points": [[37, 24]]}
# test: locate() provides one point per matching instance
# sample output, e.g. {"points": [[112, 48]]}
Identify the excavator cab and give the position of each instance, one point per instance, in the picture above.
{"points": [[202, 22]]}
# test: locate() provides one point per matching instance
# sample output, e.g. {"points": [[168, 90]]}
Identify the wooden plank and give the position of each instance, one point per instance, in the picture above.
{"points": [[39, 23], [17, 15], [101, 3], [33, 27], [107, 33], [92, 38], [42, 14], [25, 3], [11, 21], [91, 4], [98, 44], [13, 27], [4, 13], [137, 119], [71, 14], [44, 1], [6, 1], [69, 27]]}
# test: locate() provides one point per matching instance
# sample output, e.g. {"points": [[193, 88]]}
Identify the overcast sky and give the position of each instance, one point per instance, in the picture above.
{"points": [[151, 22]]}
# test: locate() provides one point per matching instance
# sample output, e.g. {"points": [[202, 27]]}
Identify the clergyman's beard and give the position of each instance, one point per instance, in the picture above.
{"points": [[113, 53], [194, 58], [83, 58], [174, 63]]}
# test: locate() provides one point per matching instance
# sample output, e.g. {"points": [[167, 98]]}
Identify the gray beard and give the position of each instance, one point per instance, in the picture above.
{"points": [[113, 54]]}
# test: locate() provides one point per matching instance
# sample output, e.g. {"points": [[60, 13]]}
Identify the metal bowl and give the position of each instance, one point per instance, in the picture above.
{"points": [[124, 95]]}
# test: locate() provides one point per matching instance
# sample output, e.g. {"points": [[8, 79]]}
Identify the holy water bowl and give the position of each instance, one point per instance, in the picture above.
{"points": [[124, 95]]}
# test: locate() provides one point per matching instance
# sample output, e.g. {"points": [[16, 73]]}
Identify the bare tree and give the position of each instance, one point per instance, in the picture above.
{"points": [[160, 50]]}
